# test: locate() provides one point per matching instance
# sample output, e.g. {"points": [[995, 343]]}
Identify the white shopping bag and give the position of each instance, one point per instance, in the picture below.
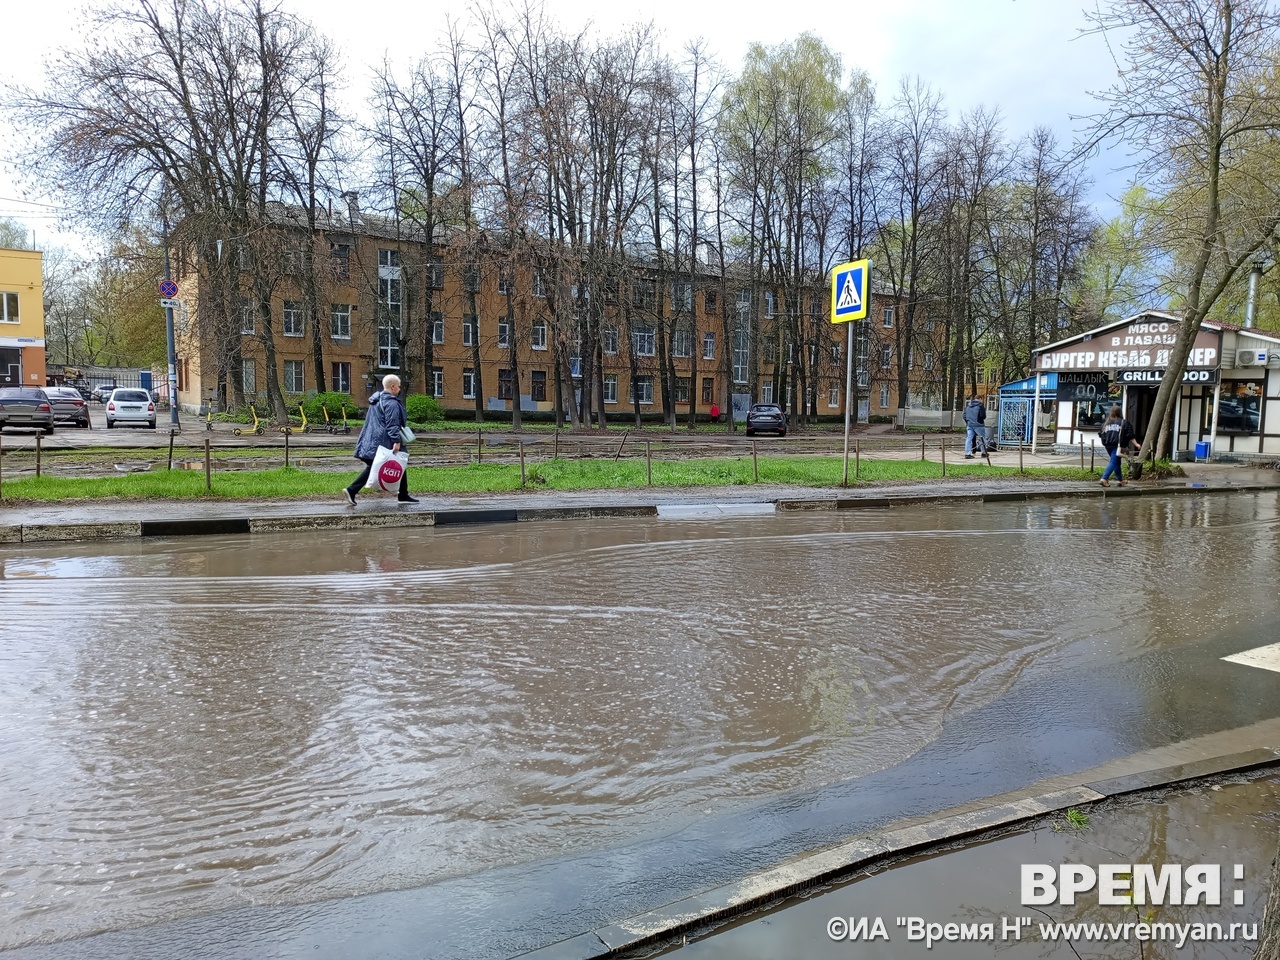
{"points": [[387, 470]]}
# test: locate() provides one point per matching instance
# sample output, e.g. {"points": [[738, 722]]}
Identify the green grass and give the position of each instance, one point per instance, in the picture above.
{"points": [[299, 483]]}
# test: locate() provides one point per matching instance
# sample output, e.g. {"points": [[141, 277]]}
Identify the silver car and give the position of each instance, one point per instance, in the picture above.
{"points": [[131, 405], [25, 407], [68, 406]]}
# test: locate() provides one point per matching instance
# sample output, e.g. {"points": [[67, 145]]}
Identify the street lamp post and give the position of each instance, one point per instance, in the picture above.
{"points": [[174, 425]]}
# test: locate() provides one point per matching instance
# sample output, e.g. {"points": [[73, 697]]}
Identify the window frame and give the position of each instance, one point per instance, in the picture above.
{"points": [[468, 383], [338, 322], [299, 378], [293, 319]]}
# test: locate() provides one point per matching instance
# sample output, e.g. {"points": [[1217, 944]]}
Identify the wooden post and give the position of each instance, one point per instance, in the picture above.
{"points": [[479, 442], [38, 455], [1020, 470], [1082, 454], [208, 467], [287, 431], [555, 444], [616, 455], [171, 432], [1, 471], [922, 448], [845, 480], [522, 463], [942, 445], [648, 466], [755, 463]]}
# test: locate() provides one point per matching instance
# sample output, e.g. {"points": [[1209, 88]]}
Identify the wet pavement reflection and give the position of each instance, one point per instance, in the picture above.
{"points": [[195, 726], [1229, 824]]}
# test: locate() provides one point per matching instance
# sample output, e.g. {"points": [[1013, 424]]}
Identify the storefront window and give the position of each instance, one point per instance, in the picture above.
{"points": [[1241, 409]]}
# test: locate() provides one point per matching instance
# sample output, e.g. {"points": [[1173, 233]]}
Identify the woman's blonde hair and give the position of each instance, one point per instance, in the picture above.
{"points": [[389, 381]]}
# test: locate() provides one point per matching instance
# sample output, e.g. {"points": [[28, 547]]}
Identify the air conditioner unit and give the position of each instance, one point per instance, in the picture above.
{"points": [[1251, 358], [1273, 360]]}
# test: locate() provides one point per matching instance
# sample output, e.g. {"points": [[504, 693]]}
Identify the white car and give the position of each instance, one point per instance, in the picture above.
{"points": [[131, 405]]}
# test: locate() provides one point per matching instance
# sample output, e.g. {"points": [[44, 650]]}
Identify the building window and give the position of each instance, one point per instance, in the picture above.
{"points": [[928, 360], [341, 378], [609, 289], [468, 384], [888, 316], [835, 352], [389, 309], [539, 285], [437, 382], [504, 335], [437, 326], [292, 318], [886, 358], [538, 386], [766, 391], [682, 297], [864, 378], [340, 321], [744, 304], [642, 340], [609, 338], [708, 386], [435, 273], [815, 307], [708, 345], [770, 350], [248, 379], [293, 376], [768, 303], [682, 389], [247, 314], [740, 344], [642, 390], [610, 388], [504, 383], [389, 342], [340, 260], [471, 277], [644, 293], [709, 302], [504, 282], [833, 396], [538, 338], [884, 396], [468, 331], [682, 343]]}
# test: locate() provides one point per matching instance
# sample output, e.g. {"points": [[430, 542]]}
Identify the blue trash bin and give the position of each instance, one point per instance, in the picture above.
{"points": [[1202, 450]]}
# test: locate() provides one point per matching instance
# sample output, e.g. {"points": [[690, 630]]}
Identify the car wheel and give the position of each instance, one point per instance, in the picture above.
{"points": [[151, 424], [750, 432], [111, 424], [782, 433], [48, 430]]}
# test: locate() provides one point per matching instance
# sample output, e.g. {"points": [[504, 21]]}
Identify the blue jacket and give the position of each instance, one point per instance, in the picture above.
{"points": [[975, 413], [382, 423]]}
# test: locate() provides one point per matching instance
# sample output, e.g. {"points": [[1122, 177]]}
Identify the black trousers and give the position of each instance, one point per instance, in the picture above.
{"points": [[361, 480]]}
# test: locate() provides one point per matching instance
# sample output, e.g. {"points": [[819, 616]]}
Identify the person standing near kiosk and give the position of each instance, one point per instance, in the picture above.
{"points": [[1117, 436]]}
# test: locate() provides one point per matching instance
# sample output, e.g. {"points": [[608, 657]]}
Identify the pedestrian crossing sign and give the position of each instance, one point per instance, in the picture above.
{"points": [[850, 286]]}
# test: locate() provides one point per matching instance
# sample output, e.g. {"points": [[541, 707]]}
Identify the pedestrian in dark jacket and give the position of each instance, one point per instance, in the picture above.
{"points": [[1117, 436], [382, 423], [975, 420]]}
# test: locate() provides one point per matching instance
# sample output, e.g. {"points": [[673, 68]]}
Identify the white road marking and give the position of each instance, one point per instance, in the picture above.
{"points": [[1266, 658]]}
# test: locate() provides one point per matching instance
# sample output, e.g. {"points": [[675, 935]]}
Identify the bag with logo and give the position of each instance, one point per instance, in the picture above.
{"points": [[387, 470]]}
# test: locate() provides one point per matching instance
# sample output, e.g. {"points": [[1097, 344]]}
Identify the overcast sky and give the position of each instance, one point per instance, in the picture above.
{"points": [[1025, 58]]}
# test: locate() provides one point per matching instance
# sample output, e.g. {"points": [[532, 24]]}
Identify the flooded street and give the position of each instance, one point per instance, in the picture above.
{"points": [[194, 726]]}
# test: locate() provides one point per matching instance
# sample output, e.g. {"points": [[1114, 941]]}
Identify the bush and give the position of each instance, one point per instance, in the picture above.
{"points": [[333, 402], [423, 409]]}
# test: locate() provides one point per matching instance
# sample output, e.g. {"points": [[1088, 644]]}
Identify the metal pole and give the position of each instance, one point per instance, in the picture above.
{"points": [[172, 342], [848, 398], [1020, 455], [1254, 274], [1035, 415], [1213, 425]]}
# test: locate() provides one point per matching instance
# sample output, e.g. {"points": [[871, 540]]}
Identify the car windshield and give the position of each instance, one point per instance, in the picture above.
{"points": [[131, 396]]}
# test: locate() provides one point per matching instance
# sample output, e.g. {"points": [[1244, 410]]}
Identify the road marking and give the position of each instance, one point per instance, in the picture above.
{"points": [[1265, 658]]}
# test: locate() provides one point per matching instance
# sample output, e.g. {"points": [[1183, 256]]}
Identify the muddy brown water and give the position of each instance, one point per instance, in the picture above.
{"points": [[196, 725]]}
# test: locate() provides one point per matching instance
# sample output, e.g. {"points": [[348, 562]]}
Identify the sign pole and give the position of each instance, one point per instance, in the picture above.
{"points": [[169, 290], [850, 300], [848, 398]]}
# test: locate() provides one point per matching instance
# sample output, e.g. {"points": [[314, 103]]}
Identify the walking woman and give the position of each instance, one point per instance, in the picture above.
{"points": [[382, 423], [1117, 436]]}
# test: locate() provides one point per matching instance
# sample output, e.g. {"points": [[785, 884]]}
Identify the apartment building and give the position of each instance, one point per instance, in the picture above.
{"points": [[22, 335]]}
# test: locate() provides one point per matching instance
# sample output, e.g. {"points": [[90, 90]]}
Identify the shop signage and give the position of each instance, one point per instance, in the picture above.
{"points": [[1082, 386], [1139, 346], [1155, 376]]}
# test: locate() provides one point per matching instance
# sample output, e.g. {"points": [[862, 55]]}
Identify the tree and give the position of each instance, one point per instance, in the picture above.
{"points": [[1199, 100]]}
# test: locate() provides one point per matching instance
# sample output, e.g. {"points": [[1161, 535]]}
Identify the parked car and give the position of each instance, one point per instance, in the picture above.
{"points": [[68, 406], [767, 417], [130, 405], [102, 392], [25, 407]]}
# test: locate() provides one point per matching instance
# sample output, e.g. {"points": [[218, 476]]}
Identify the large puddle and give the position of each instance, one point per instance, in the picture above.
{"points": [[192, 726]]}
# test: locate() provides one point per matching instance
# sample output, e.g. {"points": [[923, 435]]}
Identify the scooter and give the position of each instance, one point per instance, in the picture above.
{"points": [[333, 427], [290, 428], [257, 424]]}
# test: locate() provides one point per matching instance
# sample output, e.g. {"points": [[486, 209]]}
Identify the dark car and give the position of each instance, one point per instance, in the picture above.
{"points": [[766, 417], [68, 406], [25, 407]]}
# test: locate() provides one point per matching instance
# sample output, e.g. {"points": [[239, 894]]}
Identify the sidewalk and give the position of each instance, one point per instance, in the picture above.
{"points": [[82, 520]]}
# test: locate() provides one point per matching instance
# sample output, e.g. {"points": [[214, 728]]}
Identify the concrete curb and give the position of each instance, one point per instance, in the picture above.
{"points": [[231, 524], [870, 850]]}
